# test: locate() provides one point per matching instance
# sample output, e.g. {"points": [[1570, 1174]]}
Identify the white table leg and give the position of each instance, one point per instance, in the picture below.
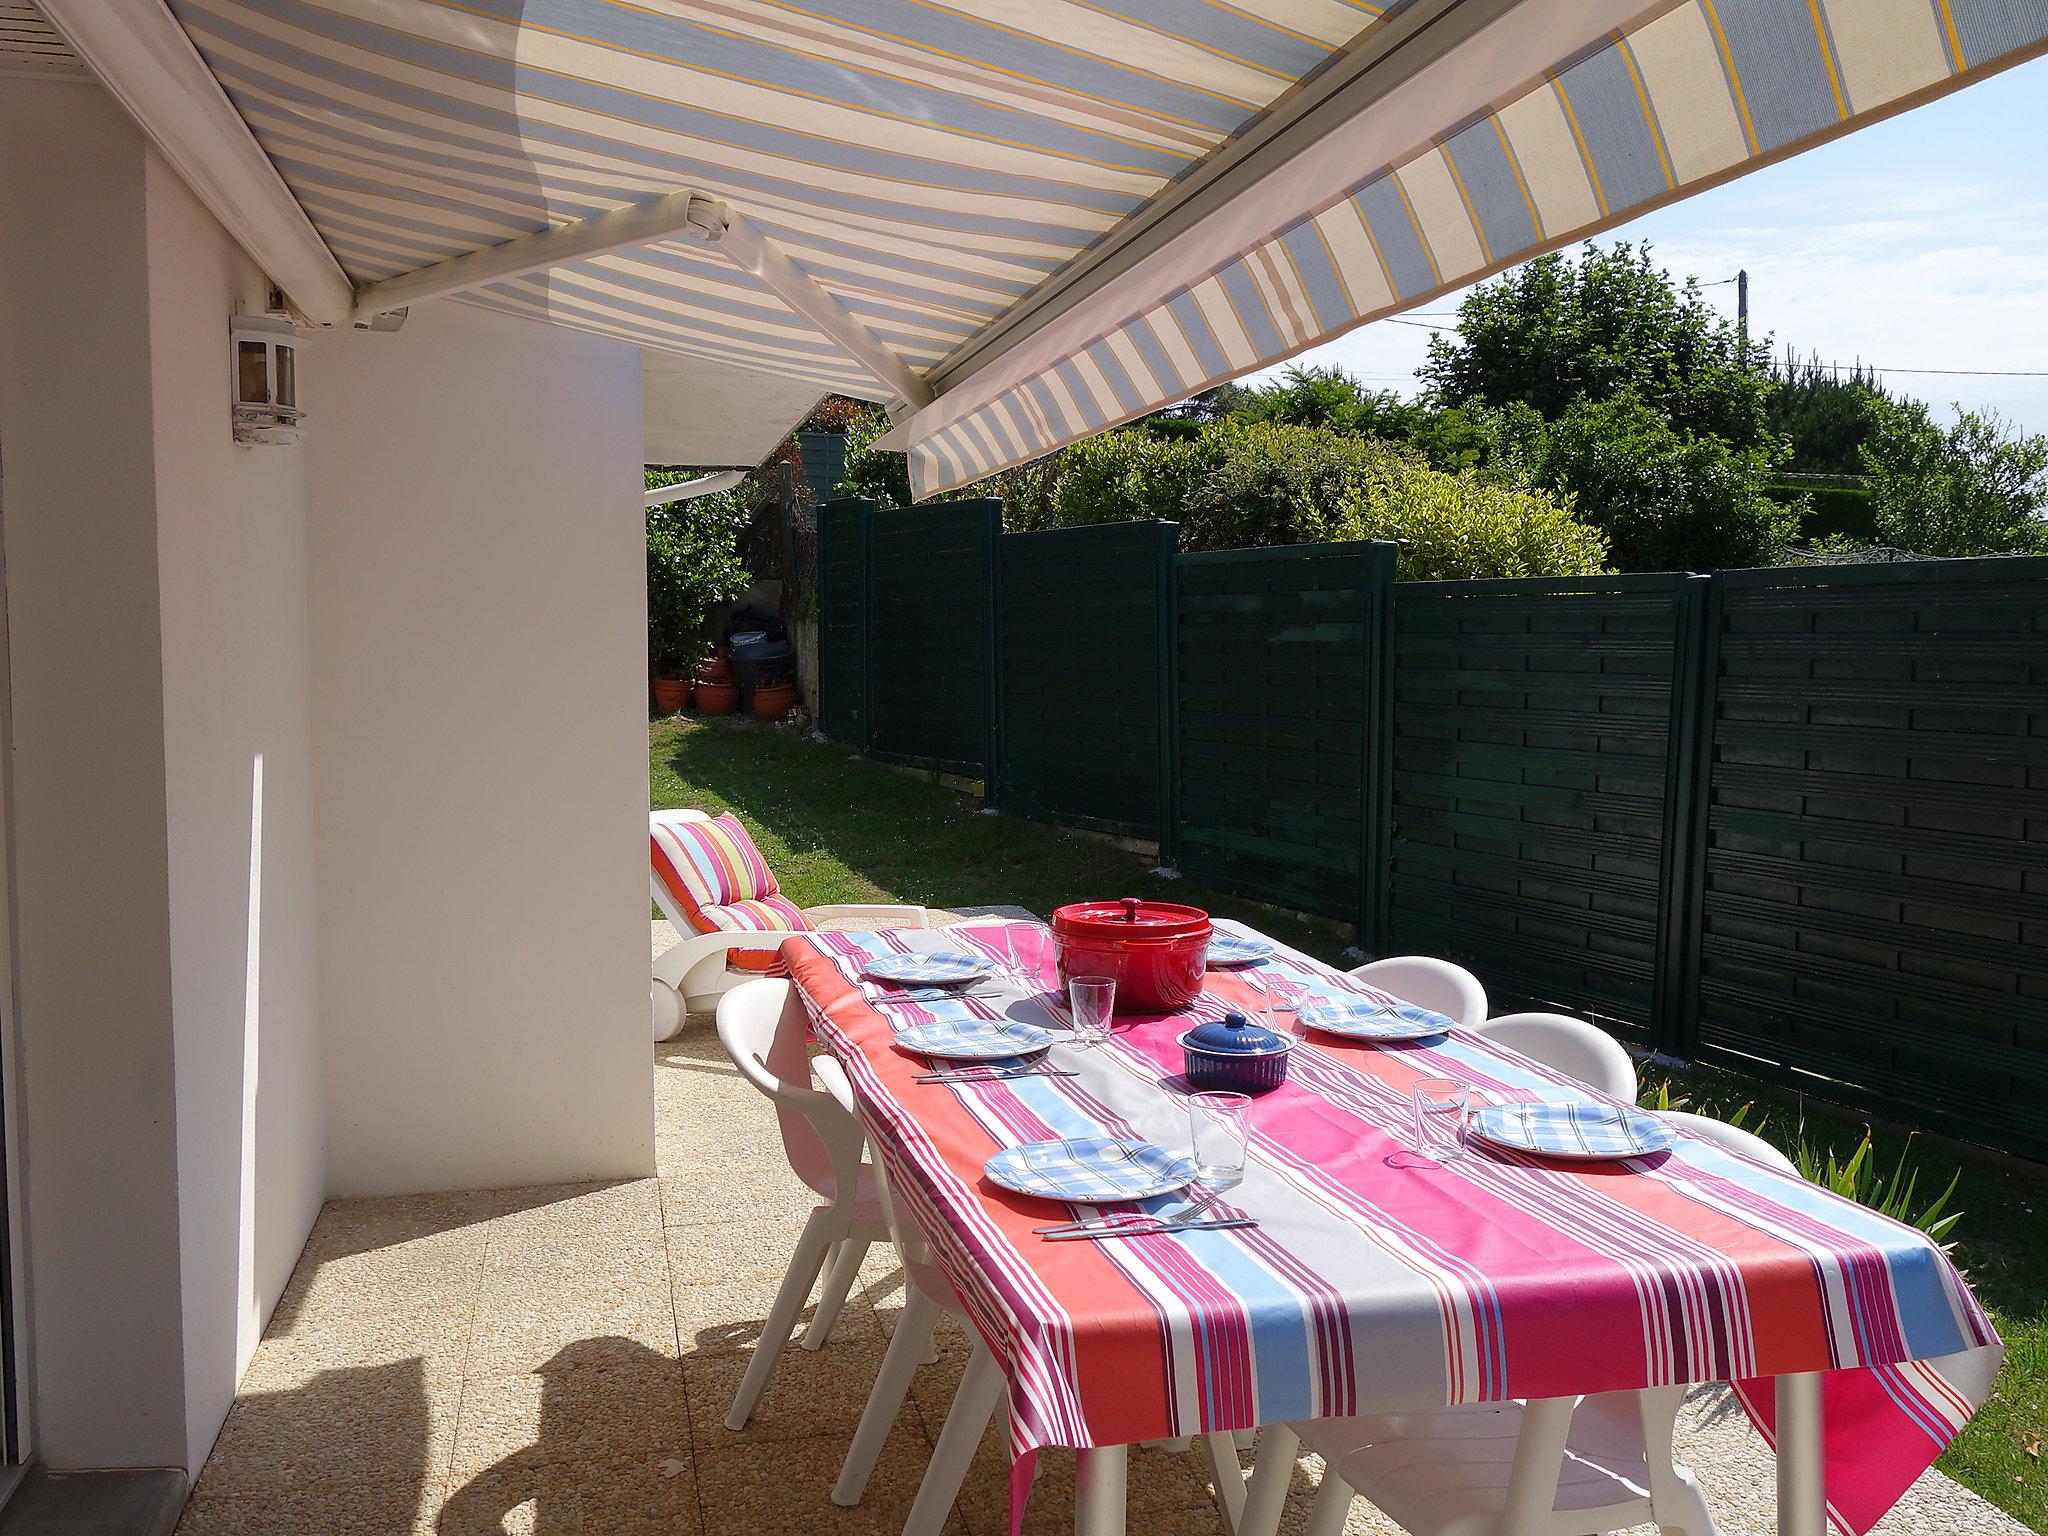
{"points": [[1802, 1468], [1099, 1490]]}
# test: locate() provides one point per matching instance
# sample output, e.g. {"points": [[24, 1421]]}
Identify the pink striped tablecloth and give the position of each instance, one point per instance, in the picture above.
{"points": [[1376, 1280]]}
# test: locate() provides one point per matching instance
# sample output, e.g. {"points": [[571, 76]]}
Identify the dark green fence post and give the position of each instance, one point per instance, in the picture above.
{"points": [[1376, 754], [1676, 872], [821, 591], [992, 652], [1674, 1020], [1166, 602], [867, 627]]}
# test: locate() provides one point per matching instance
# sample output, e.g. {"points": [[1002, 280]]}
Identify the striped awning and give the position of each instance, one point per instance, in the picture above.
{"points": [[1696, 94], [927, 163], [1008, 195]]}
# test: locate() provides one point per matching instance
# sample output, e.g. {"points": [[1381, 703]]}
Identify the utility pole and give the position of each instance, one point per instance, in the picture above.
{"points": [[1742, 309]]}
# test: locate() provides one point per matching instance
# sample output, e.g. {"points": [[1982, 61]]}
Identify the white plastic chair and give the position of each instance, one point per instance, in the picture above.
{"points": [[1560, 1466], [1437, 985], [1571, 1045], [928, 1296], [826, 1149], [1734, 1138], [692, 975]]}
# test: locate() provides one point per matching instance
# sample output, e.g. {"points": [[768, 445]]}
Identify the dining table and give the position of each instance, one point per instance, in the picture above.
{"points": [[1371, 1278]]}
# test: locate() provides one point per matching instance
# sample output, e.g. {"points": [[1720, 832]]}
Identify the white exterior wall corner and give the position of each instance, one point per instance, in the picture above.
{"points": [[477, 572], [231, 554], [95, 1118]]}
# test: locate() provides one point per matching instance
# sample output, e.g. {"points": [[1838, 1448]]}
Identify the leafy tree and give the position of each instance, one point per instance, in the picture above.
{"points": [[1824, 417], [1667, 499], [870, 472], [1976, 489], [693, 563], [1556, 330], [1462, 528]]}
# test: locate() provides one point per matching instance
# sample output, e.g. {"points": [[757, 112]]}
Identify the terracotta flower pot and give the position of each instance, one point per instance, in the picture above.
{"points": [[717, 698], [714, 669], [774, 700], [671, 694]]}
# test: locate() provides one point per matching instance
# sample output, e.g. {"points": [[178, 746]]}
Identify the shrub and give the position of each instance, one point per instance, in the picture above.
{"points": [[1668, 500], [1122, 476], [1254, 483], [1460, 527], [693, 562]]}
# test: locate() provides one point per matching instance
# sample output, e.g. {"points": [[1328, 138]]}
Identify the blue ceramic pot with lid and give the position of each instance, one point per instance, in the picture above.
{"points": [[1234, 1055]]}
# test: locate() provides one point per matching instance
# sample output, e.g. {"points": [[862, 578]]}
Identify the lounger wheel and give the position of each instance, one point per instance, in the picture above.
{"points": [[668, 1010]]}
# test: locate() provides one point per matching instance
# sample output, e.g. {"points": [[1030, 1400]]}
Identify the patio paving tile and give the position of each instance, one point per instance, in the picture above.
{"points": [[784, 1486], [609, 1404], [807, 1395], [726, 1319]]}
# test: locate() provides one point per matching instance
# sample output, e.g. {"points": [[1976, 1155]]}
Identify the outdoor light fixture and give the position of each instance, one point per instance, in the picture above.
{"points": [[265, 356]]}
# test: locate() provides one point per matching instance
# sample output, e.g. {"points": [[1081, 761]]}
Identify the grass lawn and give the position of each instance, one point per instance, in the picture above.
{"points": [[836, 828]]}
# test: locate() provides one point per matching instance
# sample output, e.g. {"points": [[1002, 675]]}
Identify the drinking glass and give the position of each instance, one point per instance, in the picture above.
{"points": [[1218, 1126], [1093, 1000], [1025, 945], [1440, 1106], [1283, 1005]]}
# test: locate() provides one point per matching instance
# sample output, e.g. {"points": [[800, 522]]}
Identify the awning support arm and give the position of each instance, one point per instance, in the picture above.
{"points": [[752, 251], [689, 490], [687, 215]]}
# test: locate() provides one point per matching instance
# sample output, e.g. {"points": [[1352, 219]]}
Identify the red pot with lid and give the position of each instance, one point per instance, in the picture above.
{"points": [[1155, 950]]}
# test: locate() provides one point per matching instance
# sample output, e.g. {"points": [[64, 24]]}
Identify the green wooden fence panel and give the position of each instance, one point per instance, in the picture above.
{"points": [[1873, 870], [1080, 680], [931, 606], [1274, 694], [843, 619], [1533, 750]]}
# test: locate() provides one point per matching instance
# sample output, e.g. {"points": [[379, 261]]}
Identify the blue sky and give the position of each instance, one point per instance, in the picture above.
{"points": [[1921, 242]]}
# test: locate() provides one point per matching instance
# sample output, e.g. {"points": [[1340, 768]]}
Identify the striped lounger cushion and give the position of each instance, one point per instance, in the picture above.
{"points": [[709, 876]]}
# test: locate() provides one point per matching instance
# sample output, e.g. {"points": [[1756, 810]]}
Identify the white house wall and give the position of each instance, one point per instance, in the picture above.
{"points": [[168, 1054], [231, 551], [95, 1114], [478, 632]]}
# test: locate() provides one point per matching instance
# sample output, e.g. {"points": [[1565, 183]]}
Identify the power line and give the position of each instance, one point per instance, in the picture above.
{"points": [[1971, 373]]}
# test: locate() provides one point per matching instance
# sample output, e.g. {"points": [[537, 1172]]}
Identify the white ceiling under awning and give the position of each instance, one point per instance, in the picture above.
{"points": [[1020, 221]]}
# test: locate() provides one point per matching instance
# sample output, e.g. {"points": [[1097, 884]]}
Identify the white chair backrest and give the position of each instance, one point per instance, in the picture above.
{"points": [[1572, 1046], [912, 1250], [1437, 985], [761, 1026], [1734, 1138]]}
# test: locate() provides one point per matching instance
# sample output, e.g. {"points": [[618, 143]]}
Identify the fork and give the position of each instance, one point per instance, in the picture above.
{"points": [[1150, 1228], [1121, 1218], [992, 1074]]}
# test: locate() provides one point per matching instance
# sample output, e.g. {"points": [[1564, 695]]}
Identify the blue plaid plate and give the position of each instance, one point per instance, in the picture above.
{"points": [[938, 968], [973, 1039], [1360, 1018], [1095, 1170], [1571, 1130], [1236, 949]]}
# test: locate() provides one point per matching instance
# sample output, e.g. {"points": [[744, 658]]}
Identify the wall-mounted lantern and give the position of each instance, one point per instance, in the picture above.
{"points": [[266, 379]]}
